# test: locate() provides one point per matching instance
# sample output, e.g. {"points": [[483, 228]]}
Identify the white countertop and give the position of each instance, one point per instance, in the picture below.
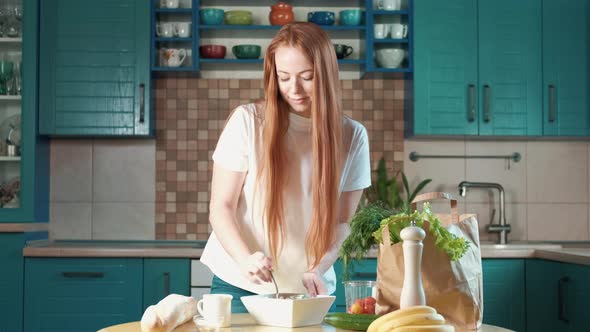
{"points": [[578, 253]]}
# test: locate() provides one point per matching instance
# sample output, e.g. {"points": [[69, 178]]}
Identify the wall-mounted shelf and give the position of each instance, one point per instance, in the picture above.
{"points": [[3, 97], [11, 40], [360, 37]]}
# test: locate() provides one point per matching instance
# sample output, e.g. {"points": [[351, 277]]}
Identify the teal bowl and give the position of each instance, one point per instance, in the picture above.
{"points": [[238, 17], [351, 17], [246, 51], [211, 16]]}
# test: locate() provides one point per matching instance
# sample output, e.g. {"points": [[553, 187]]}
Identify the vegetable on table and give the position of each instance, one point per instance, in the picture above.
{"points": [[350, 321]]}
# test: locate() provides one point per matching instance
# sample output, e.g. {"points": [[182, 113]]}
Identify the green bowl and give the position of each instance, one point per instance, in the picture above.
{"points": [[238, 17], [246, 51]]}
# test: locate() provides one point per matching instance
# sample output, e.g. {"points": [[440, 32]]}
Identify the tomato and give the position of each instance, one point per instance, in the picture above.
{"points": [[369, 309], [356, 308], [370, 300], [360, 302]]}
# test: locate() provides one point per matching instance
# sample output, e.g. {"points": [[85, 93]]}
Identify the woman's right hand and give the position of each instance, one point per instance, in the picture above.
{"points": [[257, 267]]}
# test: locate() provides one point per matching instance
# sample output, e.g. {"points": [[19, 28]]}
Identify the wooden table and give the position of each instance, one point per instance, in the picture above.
{"points": [[245, 323]]}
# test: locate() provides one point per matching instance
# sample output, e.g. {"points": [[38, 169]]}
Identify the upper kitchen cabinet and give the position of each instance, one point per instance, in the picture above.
{"points": [[24, 157], [477, 68], [566, 70], [94, 68]]}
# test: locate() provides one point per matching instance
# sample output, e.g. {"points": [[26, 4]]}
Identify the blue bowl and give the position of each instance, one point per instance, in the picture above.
{"points": [[321, 18], [351, 17], [211, 16]]}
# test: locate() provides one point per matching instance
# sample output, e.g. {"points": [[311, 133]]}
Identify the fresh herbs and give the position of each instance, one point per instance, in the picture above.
{"points": [[382, 200], [364, 223], [444, 240]]}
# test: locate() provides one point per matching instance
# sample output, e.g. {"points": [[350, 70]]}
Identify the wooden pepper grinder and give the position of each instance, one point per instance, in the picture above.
{"points": [[412, 291]]}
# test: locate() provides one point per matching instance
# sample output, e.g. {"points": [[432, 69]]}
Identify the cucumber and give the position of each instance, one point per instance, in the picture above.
{"points": [[357, 322]]}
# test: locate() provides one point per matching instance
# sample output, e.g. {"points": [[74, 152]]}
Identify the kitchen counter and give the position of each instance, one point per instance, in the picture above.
{"points": [[23, 227], [567, 253], [244, 322], [97, 248]]}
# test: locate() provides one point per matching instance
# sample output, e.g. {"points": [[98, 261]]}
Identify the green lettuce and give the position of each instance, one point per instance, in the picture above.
{"points": [[452, 245]]}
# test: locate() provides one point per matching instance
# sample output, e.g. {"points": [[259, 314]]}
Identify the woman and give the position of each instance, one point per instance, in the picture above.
{"points": [[288, 174]]}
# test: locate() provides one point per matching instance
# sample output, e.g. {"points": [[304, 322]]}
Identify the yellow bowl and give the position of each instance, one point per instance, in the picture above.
{"points": [[238, 17]]}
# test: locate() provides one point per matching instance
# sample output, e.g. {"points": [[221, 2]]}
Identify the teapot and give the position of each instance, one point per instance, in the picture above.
{"points": [[173, 57], [281, 13]]}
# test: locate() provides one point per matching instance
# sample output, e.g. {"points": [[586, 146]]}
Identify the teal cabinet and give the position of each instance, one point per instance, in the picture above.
{"points": [[477, 68], [162, 277], [504, 293], [566, 69], [577, 297], [445, 73], [94, 68], [81, 294], [11, 281], [557, 296], [542, 288], [28, 171]]}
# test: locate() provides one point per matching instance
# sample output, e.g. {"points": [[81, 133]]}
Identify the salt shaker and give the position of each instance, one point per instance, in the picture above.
{"points": [[412, 291]]}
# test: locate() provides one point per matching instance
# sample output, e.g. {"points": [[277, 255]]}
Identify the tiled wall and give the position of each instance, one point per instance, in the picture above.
{"points": [[102, 189], [547, 192], [191, 114]]}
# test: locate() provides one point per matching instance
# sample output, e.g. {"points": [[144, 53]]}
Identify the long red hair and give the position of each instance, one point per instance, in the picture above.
{"points": [[326, 119]]}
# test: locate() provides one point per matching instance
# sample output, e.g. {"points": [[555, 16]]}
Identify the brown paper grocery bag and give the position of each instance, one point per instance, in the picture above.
{"points": [[454, 289]]}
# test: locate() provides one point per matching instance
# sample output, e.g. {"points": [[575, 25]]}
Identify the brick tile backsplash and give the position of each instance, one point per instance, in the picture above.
{"points": [[191, 113]]}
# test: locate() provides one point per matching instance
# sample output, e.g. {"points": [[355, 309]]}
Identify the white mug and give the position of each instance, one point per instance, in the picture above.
{"points": [[389, 4], [183, 29], [174, 57], [165, 29], [398, 30], [169, 3], [213, 306], [381, 30]]}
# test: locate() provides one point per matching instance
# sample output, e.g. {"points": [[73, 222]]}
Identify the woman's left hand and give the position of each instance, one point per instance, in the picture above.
{"points": [[314, 284]]}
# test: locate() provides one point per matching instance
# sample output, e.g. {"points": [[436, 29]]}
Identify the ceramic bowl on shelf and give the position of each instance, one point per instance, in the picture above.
{"points": [[211, 16], [246, 51], [321, 18], [351, 17], [212, 51], [390, 57], [238, 17]]}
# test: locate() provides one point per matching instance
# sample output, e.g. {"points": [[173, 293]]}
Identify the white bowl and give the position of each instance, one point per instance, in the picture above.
{"points": [[267, 310]]}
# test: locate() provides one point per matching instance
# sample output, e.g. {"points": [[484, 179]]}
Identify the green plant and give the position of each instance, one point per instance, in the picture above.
{"points": [[382, 200]]}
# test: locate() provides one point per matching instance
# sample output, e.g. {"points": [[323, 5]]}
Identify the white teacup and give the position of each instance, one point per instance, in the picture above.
{"points": [[398, 30], [214, 306], [169, 3], [390, 57], [165, 29], [173, 57], [381, 30], [183, 29], [389, 4]]}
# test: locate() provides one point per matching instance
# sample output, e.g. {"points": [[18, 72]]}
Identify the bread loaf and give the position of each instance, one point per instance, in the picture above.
{"points": [[169, 313]]}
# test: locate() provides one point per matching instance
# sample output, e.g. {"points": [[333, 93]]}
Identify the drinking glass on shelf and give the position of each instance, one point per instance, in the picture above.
{"points": [[6, 73]]}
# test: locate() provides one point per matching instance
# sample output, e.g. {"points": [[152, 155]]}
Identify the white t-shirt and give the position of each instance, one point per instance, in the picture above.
{"points": [[236, 151]]}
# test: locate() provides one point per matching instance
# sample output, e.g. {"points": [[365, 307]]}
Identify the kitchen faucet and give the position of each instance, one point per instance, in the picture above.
{"points": [[502, 228]]}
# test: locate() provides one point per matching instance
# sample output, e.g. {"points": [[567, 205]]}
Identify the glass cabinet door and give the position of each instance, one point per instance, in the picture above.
{"points": [[11, 14]]}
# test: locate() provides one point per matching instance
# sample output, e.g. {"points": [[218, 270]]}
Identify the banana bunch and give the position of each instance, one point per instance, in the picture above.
{"points": [[411, 319]]}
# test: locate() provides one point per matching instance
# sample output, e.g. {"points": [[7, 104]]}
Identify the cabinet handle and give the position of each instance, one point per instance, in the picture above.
{"points": [[365, 275], [83, 274], [141, 103], [486, 106], [166, 283], [471, 101], [560, 302], [551, 103]]}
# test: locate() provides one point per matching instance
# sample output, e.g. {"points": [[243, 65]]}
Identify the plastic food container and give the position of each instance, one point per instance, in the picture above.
{"points": [[360, 296]]}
